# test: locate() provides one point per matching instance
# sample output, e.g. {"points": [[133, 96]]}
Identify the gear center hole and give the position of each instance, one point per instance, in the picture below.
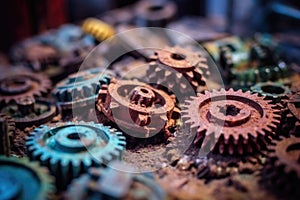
{"points": [[74, 136], [272, 89], [177, 56], [155, 8], [293, 151], [230, 110]]}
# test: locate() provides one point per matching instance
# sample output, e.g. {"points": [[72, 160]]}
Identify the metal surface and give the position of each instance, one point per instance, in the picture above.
{"points": [[233, 121], [272, 91], [97, 28], [137, 107], [22, 180], [113, 184], [28, 111], [19, 83], [7, 130], [69, 148]]}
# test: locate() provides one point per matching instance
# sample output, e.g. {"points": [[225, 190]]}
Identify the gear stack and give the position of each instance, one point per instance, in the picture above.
{"points": [[111, 183], [21, 180], [137, 107], [28, 112], [178, 67], [282, 170], [80, 89], [232, 122], [7, 131], [71, 148], [17, 84]]}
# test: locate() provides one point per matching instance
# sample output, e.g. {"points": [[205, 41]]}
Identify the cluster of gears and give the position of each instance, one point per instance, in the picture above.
{"points": [[253, 120]]}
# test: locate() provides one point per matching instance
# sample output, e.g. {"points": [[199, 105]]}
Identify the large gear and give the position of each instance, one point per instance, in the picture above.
{"points": [[282, 171], [113, 184], [19, 83], [80, 89], [70, 148], [233, 122], [137, 107], [21, 180], [27, 112], [180, 63], [7, 132]]}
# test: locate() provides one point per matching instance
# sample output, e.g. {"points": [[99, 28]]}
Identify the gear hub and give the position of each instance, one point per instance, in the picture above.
{"points": [[233, 122], [70, 148]]}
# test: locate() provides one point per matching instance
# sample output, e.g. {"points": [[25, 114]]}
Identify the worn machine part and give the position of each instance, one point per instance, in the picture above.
{"points": [[21, 180], [183, 63], [69, 148], [28, 111], [262, 55], [282, 170], [231, 122], [151, 14], [137, 107], [80, 89], [113, 184], [7, 130], [97, 28], [271, 91], [17, 84]]}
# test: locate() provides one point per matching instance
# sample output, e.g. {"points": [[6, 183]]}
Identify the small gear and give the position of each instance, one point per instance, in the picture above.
{"points": [[28, 111], [97, 28], [282, 171], [191, 66], [151, 14], [137, 107], [19, 83], [21, 180], [7, 132], [271, 91], [233, 122], [69, 148], [80, 89], [113, 184]]}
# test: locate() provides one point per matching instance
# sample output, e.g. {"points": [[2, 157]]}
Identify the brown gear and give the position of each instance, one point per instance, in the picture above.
{"points": [[140, 100], [282, 170], [17, 84], [193, 66], [240, 122]]}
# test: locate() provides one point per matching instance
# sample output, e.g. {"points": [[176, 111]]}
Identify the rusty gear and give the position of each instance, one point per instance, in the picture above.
{"points": [[17, 84], [151, 110], [191, 65], [7, 132], [240, 122], [150, 14], [282, 170], [27, 112], [80, 89]]}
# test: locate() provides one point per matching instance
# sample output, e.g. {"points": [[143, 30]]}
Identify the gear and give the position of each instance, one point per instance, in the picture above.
{"points": [[70, 148], [282, 171], [151, 14], [192, 66], [21, 180], [113, 184], [271, 91], [151, 110], [97, 28], [19, 83], [231, 121], [7, 133], [27, 112], [80, 89]]}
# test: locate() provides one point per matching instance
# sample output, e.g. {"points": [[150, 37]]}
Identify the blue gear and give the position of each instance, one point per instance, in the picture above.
{"points": [[71, 148]]}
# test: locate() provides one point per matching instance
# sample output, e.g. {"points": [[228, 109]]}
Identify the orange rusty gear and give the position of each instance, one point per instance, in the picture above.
{"points": [[239, 122], [137, 107], [185, 63], [282, 170], [18, 83]]}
